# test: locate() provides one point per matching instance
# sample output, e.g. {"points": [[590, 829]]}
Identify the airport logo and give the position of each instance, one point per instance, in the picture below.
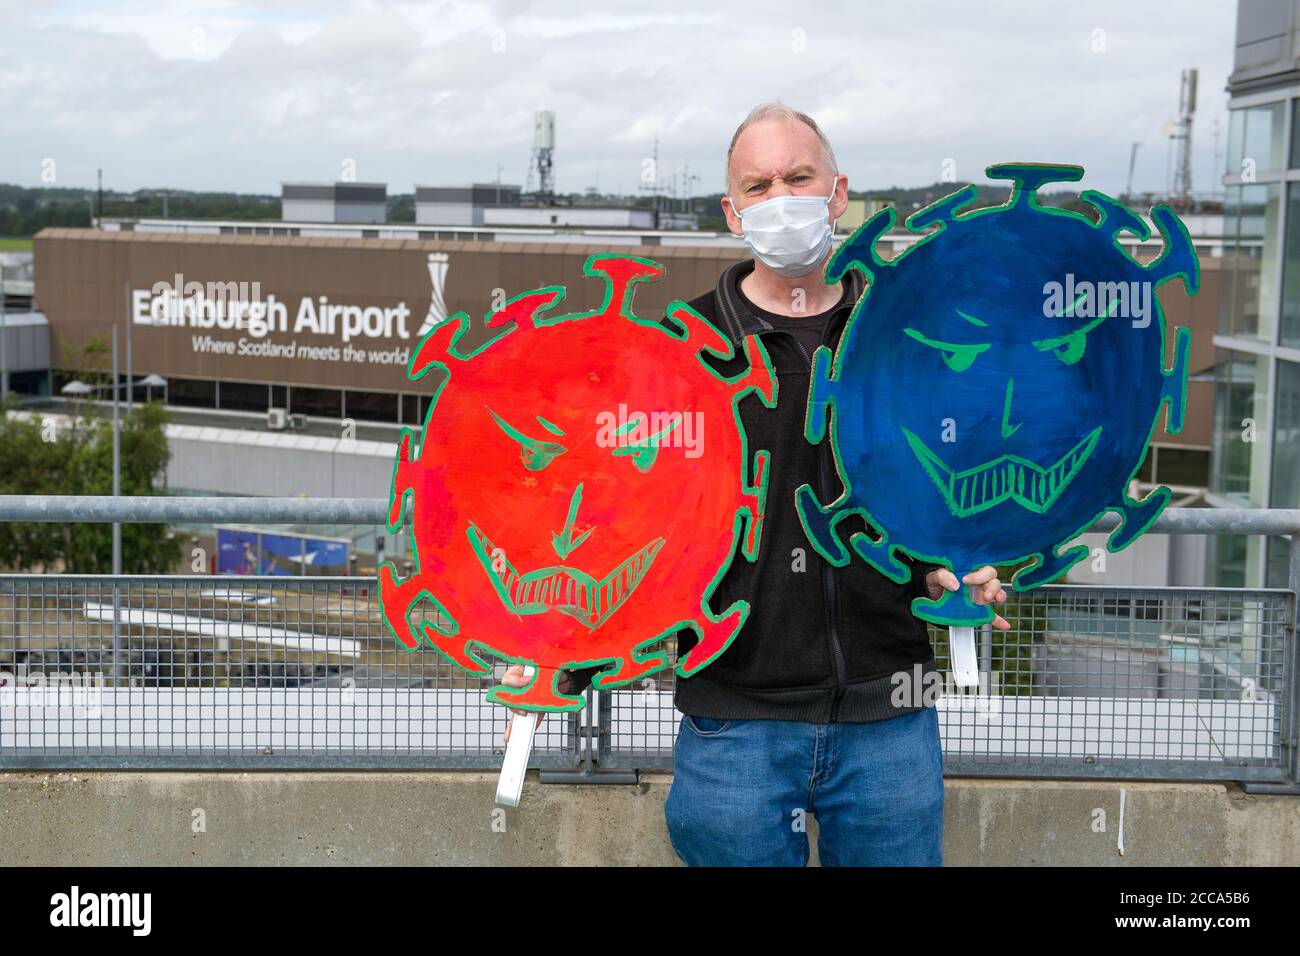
{"points": [[76, 909], [437, 305]]}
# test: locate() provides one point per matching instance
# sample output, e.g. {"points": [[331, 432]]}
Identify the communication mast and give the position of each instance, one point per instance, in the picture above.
{"points": [[541, 170], [651, 183], [1181, 188]]}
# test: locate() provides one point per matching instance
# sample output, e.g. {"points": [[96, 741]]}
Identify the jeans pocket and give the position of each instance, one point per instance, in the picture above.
{"points": [[706, 726]]}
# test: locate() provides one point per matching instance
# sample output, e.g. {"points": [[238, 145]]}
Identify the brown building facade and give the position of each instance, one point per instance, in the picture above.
{"points": [[311, 314], [325, 326]]}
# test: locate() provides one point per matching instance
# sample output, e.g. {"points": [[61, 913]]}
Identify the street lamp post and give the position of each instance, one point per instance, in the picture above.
{"points": [[126, 317], [4, 359], [117, 463]]}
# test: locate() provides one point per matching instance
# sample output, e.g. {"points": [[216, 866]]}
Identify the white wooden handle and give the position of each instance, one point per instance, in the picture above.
{"points": [[510, 785], [961, 653]]}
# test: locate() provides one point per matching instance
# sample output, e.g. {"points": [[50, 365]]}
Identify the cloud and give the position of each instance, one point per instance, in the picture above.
{"points": [[241, 96]]}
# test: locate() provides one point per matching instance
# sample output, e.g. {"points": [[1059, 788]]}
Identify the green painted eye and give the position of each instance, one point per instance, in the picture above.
{"points": [[643, 453], [957, 356], [535, 459], [642, 456], [535, 454], [1069, 347], [1071, 350]]}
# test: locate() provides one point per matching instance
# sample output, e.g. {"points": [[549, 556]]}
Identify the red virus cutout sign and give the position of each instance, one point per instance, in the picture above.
{"points": [[580, 485]]}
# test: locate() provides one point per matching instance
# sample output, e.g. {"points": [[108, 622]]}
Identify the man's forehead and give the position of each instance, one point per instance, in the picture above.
{"points": [[776, 147], [766, 173]]}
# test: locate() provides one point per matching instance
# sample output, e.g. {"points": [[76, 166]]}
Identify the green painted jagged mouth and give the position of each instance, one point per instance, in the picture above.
{"points": [[560, 587], [1008, 477]]}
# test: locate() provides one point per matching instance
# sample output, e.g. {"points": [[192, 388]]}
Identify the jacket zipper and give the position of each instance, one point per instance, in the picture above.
{"points": [[830, 586], [830, 589]]}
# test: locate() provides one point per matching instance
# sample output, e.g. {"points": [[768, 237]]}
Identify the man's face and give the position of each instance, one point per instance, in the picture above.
{"points": [[778, 157]]}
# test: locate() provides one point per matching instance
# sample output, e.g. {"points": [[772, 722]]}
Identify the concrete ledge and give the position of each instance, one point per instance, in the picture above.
{"points": [[449, 819]]}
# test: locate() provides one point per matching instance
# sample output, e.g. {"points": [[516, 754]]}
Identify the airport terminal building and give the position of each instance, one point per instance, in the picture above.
{"points": [[306, 394], [314, 326]]}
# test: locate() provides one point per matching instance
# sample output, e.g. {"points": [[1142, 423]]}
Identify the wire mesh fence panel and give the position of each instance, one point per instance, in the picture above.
{"points": [[261, 671], [1155, 683], [1127, 682], [204, 671]]}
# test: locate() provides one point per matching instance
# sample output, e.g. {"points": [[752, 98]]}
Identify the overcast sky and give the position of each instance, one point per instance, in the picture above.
{"points": [[221, 95]]}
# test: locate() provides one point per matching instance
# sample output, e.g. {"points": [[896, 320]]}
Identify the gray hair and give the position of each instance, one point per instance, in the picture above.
{"points": [[777, 110]]}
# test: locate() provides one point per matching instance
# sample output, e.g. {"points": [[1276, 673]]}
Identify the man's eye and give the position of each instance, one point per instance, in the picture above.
{"points": [[957, 356]]}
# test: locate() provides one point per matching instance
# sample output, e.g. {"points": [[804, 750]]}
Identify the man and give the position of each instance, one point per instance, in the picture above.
{"points": [[803, 713]]}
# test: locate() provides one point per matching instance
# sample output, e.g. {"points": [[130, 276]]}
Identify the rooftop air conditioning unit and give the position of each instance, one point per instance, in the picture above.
{"points": [[277, 419]]}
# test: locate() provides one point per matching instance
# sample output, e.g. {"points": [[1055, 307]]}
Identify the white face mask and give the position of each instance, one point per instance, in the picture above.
{"points": [[788, 234]]}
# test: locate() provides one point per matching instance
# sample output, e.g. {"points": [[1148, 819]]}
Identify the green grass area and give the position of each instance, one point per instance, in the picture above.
{"points": [[8, 244]]}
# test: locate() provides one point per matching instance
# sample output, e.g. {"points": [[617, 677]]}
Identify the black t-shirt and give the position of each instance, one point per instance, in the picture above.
{"points": [[809, 330], [822, 642]]}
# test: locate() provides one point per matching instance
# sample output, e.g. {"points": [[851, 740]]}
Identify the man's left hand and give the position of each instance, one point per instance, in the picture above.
{"points": [[987, 588]]}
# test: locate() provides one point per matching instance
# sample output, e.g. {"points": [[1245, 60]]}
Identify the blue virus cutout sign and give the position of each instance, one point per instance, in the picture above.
{"points": [[996, 387]]}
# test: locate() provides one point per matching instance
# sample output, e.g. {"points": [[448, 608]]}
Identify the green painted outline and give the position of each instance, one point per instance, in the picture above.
{"points": [[637, 655], [644, 453], [589, 269], [1088, 442], [1177, 260], [564, 543], [422, 640], [485, 561], [548, 451], [736, 607], [1125, 220], [761, 459], [1054, 343], [963, 353]]}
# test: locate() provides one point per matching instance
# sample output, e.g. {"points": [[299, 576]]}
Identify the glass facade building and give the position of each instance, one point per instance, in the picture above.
{"points": [[1256, 447]]}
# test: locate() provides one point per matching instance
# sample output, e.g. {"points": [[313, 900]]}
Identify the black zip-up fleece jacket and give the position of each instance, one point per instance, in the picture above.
{"points": [[821, 644]]}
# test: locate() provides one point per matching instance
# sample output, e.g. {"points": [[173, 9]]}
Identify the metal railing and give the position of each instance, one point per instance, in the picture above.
{"points": [[206, 671]]}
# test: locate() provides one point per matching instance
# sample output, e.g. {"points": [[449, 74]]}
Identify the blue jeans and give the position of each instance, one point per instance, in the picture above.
{"points": [[742, 791]]}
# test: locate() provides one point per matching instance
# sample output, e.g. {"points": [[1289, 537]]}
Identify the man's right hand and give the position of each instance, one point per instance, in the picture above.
{"points": [[515, 677]]}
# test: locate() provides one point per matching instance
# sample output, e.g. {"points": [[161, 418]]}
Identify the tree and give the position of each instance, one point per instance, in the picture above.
{"points": [[51, 457]]}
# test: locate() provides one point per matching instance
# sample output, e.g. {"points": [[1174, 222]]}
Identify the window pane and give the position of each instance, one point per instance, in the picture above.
{"points": [[317, 402], [199, 393], [1286, 438], [241, 396], [372, 406], [1227, 558], [1172, 465], [1295, 134], [1250, 232], [1291, 271], [1278, 569], [1239, 424], [1236, 142], [1263, 146]]}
